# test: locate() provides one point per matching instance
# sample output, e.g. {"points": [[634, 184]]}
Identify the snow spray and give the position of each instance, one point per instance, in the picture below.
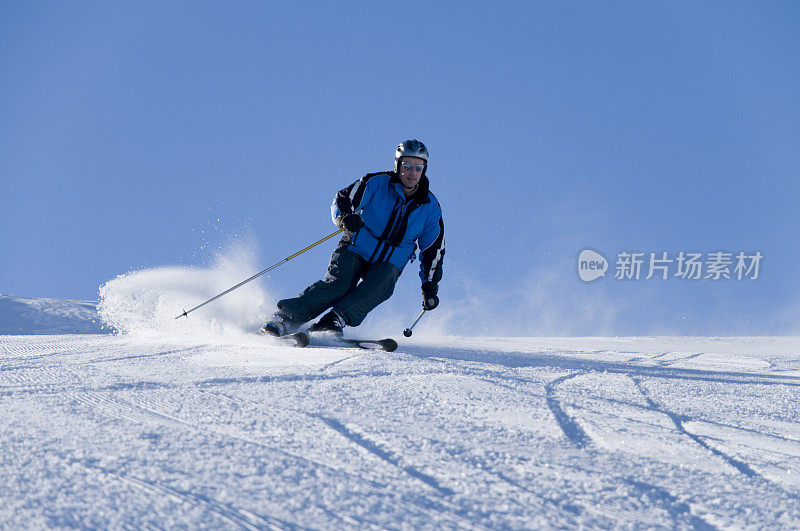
{"points": [[144, 303]]}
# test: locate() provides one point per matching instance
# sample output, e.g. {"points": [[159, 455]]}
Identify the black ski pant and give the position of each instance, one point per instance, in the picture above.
{"points": [[342, 291]]}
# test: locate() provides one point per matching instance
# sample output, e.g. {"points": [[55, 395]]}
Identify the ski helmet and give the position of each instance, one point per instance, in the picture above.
{"points": [[410, 148]]}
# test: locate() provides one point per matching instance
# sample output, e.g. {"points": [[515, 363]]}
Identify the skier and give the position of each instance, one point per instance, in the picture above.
{"points": [[385, 216]]}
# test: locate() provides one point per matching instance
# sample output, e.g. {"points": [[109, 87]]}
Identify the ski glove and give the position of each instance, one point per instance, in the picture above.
{"points": [[429, 298], [351, 222]]}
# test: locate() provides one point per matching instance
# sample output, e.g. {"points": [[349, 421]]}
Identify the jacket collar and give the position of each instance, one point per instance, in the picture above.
{"points": [[422, 188]]}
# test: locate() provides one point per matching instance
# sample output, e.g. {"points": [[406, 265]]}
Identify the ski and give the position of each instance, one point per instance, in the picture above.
{"points": [[298, 339], [388, 344], [302, 339], [326, 339]]}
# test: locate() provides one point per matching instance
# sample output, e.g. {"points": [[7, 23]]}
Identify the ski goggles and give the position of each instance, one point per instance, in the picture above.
{"points": [[409, 166]]}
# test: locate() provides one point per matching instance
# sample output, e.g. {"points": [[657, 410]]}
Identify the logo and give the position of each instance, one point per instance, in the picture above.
{"points": [[591, 265], [683, 265]]}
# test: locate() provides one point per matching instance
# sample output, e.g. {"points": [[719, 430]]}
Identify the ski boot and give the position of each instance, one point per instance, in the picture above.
{"points": [[330, 323], [276, 326]]}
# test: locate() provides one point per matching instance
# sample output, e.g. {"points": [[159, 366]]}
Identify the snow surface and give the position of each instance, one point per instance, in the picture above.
{"points": [[20, 315], [227, 430]]}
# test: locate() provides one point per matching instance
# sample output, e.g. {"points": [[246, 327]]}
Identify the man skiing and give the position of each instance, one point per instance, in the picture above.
{"points": [[385, 216]]}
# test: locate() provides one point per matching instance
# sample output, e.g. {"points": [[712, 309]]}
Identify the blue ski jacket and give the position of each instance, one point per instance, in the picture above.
{"points": [[394, 225]]}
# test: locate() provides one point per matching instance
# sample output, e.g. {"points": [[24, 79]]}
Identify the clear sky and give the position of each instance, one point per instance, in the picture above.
{"points": [[145, 134]]}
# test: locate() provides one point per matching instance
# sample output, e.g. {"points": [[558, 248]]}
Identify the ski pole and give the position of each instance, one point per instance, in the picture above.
{"points": [[267, 270], [407, 332]]}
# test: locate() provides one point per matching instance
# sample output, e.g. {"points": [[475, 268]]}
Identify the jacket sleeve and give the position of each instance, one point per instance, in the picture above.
{"points": [[431, 244], [350, 199]]}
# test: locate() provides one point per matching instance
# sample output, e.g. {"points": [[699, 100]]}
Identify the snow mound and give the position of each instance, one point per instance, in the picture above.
{"points": [[25, 316], [144, 304]]}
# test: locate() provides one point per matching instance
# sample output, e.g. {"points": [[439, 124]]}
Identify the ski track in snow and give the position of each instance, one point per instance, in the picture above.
{"points": [[481, 433]]}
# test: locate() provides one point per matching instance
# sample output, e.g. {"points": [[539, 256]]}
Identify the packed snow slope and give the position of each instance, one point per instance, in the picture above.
{"points": [[49, 316], [226, 431]]}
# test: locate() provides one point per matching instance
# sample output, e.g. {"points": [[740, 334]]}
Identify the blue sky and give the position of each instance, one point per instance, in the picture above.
{"points": [[144, 134]]}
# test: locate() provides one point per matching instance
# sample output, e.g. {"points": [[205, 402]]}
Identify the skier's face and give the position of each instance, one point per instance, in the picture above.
{"points": [[411, 171]]}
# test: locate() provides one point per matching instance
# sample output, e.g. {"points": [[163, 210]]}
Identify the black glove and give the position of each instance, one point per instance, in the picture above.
{"points": [[351, 222], [429, 298]]}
